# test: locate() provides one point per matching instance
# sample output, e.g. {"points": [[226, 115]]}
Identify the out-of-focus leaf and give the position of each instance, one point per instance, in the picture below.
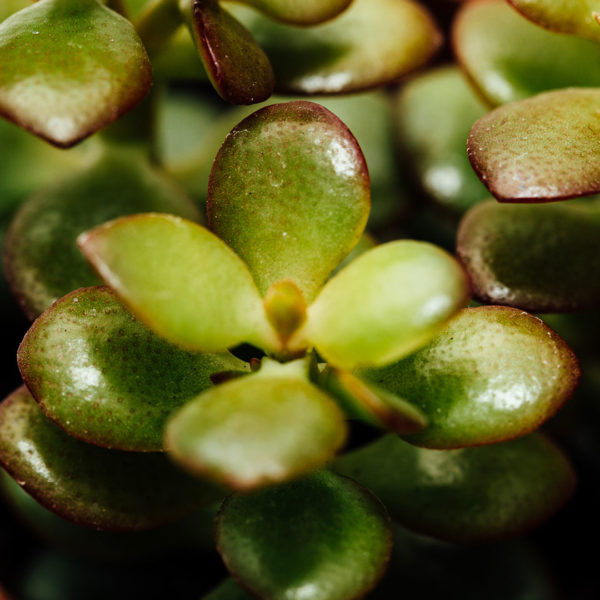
{"points": [[322, 537], [468, 495], [540, 149], [69, 68], [492, 374], [308, 12]]}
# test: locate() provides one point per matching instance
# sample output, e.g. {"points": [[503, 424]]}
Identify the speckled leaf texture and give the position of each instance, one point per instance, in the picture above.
{"points": [[236, 65], [105, 378], [334, 58], [509, 58], [68, 68], [471, 495], [323, 537], [542, 258], [257, 430], [566, 16], [91, 486], [437, 154], [308, 12], [493, 374], [289, 192], [41, 258], [540, 149]]}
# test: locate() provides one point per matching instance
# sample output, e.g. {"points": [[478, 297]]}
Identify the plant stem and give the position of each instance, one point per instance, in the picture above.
{"points": [[158, 23]]}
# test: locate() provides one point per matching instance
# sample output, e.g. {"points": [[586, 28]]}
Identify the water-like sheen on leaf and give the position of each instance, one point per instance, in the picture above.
{"points": [[307, 12], [471, 495], [437, 153], [565, 16], [322, 537], [509, 58], [69, 68], [91, 486], [180, 280], [236, 65], [385, 304], [105, 378], [542, 258], [256, 430], [493, 374], [372, 43], [289, 192], [41, 258], [540, 149]]}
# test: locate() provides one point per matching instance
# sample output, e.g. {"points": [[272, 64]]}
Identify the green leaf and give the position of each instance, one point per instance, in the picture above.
{"points": [[471, 495], [180, 280], [91, 486], [227, 590], [437, 153], [69, 68], [12, 6], [509, 58], [257, 430], [385, 304], [494, 373], [565, 16], [236, 65], [300, 13], [322, 537], [540, 149], [289, 192], [105, 378], [539, 258], [335, 58], [42, 260]]}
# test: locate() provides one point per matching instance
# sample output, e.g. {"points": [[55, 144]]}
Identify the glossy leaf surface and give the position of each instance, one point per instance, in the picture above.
{"points": [[256, 430], [289, 192], [91, 486], [42, 260], [509, 58], [179, 279], [300, 13], [566, 16], [469, 495], [385, 304], [540, 149], [236, 65], [334, 58], [494, 373], [69, 68], [322, 535], [437, 153], [539, 258], [105, 378]]}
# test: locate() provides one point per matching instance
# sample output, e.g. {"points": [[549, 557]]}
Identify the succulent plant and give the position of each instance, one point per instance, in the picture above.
{"points": [[335, 406]]}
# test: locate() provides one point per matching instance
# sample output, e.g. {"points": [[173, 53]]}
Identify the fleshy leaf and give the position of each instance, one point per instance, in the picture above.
{"points": [[257, 430], [438, 153], [180, 280], [470, 495], [323, 537], [385, 304], [105, 378], [41, 258], [370, 403], [509, 58], [69, 68], [91, 486], [334, 58], [540, 149], [493, 374], [236, 65], [12, 6], [539, 258], [565, 16], [289, 192], [300, 13]]}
